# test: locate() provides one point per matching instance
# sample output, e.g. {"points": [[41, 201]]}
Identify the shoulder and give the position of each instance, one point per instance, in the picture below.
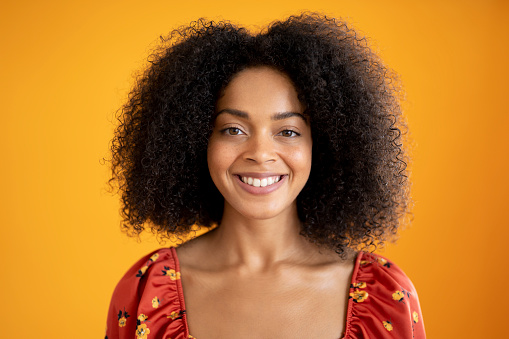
{"points": [[145, 268], [147, 296], [386, 272], [383, 301]]}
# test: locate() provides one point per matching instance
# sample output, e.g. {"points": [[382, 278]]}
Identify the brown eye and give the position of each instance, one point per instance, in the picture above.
{"points": [[233, 131], [289, 133]]}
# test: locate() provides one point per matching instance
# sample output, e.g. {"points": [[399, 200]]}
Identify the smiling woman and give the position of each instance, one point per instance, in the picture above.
{"points": [[301, 171], [268, 142]]}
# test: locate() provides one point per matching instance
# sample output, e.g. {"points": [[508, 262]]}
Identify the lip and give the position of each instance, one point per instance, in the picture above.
{"points": [[260, 190], [259, 175]]}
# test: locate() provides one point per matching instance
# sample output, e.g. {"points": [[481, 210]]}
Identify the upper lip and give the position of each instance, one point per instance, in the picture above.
{"points": [[258, 175]]}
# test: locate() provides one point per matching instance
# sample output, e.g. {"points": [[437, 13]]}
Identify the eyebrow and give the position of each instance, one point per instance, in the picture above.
{"points": [[276, 116]]}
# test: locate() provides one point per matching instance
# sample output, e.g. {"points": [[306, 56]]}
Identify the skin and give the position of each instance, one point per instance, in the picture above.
{"points": [[254, 276]]}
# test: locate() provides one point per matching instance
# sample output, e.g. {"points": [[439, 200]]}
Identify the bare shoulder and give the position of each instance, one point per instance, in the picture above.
{"points": [[325, 265], [195, 252], [323, 257]]}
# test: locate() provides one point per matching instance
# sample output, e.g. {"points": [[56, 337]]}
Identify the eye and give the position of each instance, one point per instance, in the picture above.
{"points": [[288, 133], [232, 131]]}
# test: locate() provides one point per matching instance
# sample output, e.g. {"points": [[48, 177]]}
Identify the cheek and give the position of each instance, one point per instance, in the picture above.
{"points": [[213, 159], [302, 156], [218, 159], [305, 162], [301, 159]]}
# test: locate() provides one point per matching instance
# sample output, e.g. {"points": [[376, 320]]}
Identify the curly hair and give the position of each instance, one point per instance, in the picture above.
{"points": [[357, 192]]}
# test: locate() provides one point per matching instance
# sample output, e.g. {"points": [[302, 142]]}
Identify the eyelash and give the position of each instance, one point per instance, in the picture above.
{"points": [[294, 133], [228, 131]]}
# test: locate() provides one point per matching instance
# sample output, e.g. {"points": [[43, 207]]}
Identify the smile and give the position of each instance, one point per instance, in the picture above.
{"points": [[260, 182]]}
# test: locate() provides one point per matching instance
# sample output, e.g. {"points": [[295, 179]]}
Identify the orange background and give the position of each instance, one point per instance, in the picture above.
{"points": [[66, 66]]}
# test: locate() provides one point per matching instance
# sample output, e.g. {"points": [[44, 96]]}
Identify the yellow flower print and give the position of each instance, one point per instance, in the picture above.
{"points": [[156, 302], [191, 337], [360, 284], [142, 331], [398, 295], [142, 317], [171, 273], [384, 262], [387, 325], [359, 296], [416, 317], [142, 271], [364, 262], [154, 257], [122, 321], [173, 315], [122, 318]]}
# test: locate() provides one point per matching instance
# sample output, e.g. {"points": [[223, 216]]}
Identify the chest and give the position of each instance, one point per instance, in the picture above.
{"points": [[266, 306]]}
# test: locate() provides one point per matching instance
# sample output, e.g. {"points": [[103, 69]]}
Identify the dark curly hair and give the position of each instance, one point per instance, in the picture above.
{"points": [[357, 192]]}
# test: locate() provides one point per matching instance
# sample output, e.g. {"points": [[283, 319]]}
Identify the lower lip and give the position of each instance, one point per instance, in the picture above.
{"points": [[261, 190]]}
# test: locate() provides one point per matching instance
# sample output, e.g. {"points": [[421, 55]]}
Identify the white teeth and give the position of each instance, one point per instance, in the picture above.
{"points": [[264, 182]]}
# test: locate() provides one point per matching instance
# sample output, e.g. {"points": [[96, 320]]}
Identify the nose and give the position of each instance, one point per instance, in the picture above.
{"points": [[260, 149]]}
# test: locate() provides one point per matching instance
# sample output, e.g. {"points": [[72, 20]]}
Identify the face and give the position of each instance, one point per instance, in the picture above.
{"points": [[259, 153]]}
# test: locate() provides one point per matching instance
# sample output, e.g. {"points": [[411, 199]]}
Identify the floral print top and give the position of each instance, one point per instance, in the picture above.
{"points": [[148, 302]]}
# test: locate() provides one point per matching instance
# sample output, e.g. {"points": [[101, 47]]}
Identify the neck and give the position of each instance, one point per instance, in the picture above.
{"points": [[257, 244]]}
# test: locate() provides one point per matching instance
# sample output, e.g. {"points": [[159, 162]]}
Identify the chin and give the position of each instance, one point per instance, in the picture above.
{"points": [[261, 216]]}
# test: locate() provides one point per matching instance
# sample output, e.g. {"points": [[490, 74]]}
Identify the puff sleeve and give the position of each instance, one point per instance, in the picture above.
{"points": [[148, 301], [383, 302]]}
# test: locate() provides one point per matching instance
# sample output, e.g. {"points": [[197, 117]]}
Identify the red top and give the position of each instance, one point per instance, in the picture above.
{"points": [[148, 302]]}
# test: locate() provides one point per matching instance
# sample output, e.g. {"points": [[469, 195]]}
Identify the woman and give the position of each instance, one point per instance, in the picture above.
{"points": [[287, 145]]}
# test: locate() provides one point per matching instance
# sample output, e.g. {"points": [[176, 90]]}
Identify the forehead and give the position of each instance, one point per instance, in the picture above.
{"points": [[260, 90]]}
